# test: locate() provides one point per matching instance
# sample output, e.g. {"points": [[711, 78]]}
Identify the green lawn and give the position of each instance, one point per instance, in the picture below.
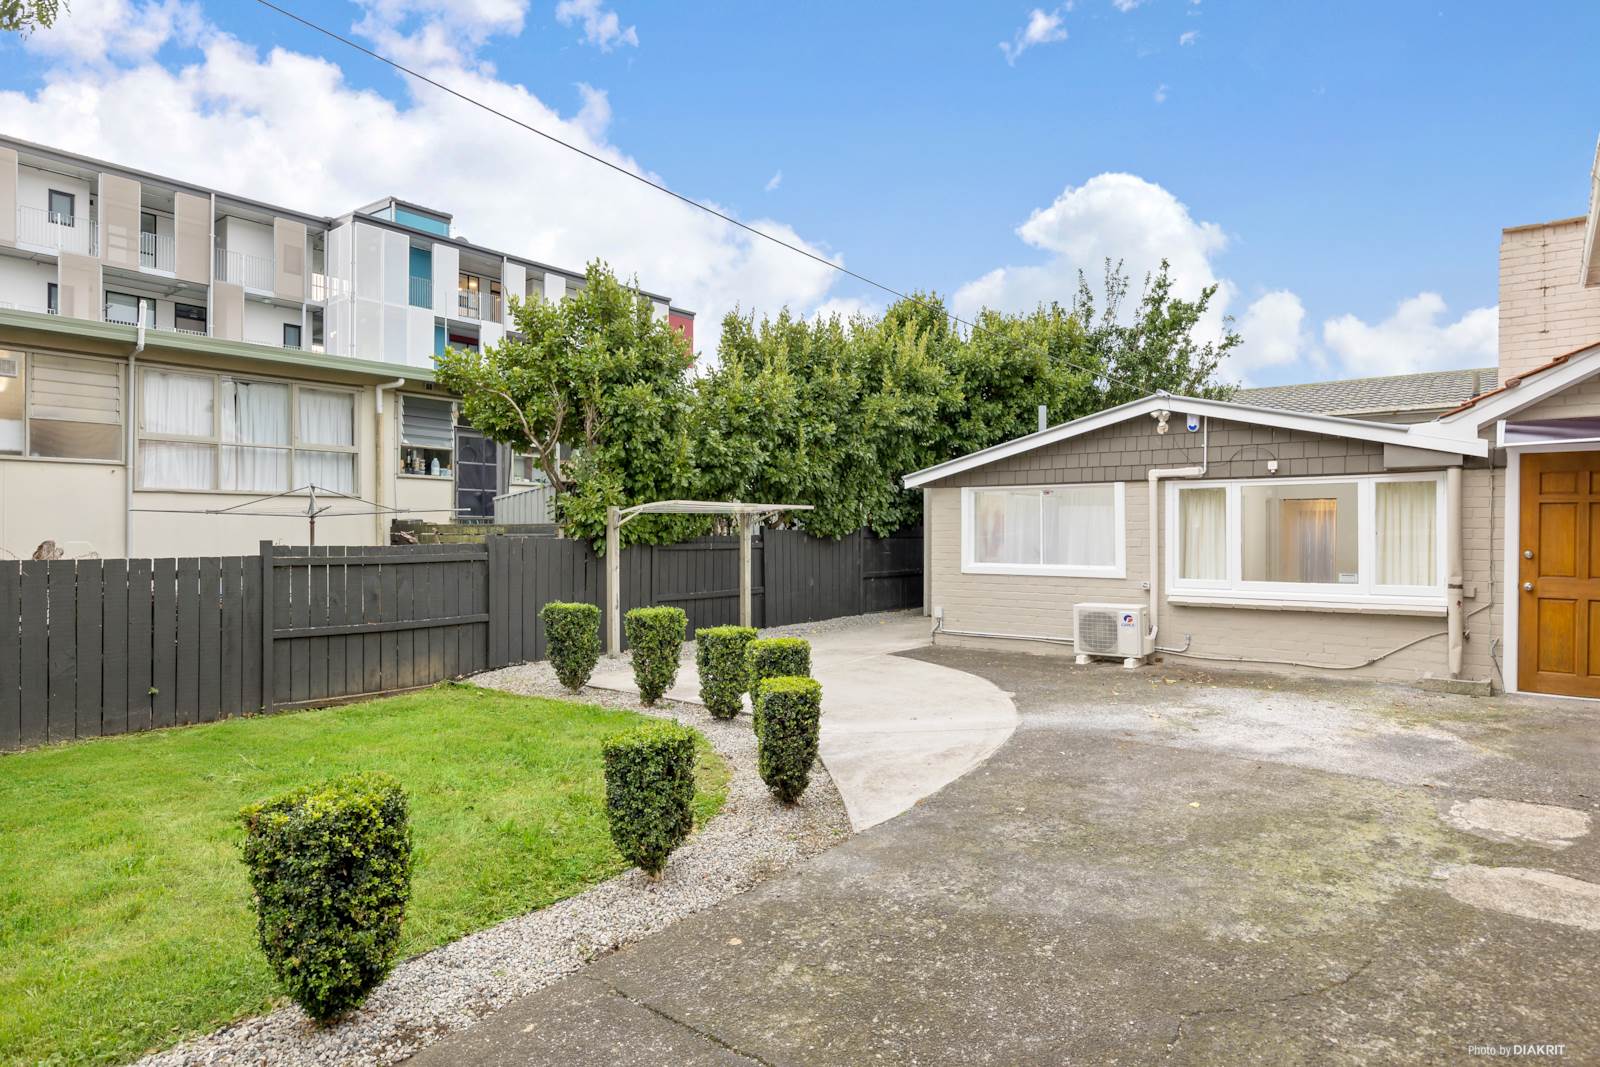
{"points": [[124, 917]]}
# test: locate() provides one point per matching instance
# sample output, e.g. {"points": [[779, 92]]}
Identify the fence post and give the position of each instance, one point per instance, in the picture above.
{"points": [[267, 624], [613, 581], [744, 570]]}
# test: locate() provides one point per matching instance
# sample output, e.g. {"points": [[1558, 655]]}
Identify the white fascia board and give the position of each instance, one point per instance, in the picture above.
{"points": [[1328, 425], [1578, 368]]}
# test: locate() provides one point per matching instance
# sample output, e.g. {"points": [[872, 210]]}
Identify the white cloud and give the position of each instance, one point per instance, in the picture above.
{"points": [[1275, 336], [847, 308], [774, 181], [287, 128], [601, 27], [1126, 5], [435, 32], [1188, 37], [1042, 27], [1160, 95], [1415, 339], [90, 33]]}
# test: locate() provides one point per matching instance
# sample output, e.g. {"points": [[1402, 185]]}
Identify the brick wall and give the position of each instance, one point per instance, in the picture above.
{"points": [[1127, 450], [1042, 606], [1545, 309]]}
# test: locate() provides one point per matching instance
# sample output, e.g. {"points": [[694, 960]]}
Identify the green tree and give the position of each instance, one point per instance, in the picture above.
{"points": [[25, 16], [595, 387]]}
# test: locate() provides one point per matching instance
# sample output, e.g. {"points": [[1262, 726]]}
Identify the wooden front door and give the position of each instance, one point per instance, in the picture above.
{"points": [[1558, 649]]}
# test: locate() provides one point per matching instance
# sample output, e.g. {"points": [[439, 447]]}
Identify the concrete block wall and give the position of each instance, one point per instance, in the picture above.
{"points": [[1545, 309]]}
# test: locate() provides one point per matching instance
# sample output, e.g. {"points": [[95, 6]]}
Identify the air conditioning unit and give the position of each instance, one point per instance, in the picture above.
{"points": [[1116, 630]]}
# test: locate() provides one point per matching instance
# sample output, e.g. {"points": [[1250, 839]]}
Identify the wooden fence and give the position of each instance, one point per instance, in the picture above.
{"points": [[92, 647]]}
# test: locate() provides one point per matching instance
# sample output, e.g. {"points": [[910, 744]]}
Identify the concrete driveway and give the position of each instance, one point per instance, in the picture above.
{"points": [[1159, 866], [894, 729]]}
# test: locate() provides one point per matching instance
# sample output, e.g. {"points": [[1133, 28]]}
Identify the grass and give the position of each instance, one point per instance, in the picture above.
{"points": [[124, 916]]}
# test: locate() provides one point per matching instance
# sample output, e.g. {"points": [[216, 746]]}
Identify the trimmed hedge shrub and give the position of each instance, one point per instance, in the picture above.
{"points": [[776, 657], [790, 712], [330, 874], [656, 637], [572, 632], [719, 653], [650, 792]]}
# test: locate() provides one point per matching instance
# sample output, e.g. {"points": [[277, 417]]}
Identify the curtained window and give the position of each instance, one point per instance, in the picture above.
{"points": [[1070, 529], [1203, 534], [74, 407], [1408, 542], [202, 432]]}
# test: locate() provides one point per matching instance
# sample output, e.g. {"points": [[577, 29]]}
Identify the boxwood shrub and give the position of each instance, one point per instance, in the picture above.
{"points": [[719, 653], [572, 634], [650, 792], [790, 711], [656, 637], [330, 874], [776, 657]]}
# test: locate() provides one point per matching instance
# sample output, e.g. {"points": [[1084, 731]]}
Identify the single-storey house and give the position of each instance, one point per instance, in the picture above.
{"points": [[1247, 533]]}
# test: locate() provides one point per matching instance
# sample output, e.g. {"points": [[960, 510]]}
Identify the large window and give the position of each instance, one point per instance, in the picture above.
{"points": [[479, 298], [209, 432], [61, 208], [60, 407], [1074, 530], [129, 309], [427, 436], [1308, 540]]}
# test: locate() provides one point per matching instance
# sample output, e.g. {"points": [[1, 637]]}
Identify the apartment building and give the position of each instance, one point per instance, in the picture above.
{"points": [[169, 352]]}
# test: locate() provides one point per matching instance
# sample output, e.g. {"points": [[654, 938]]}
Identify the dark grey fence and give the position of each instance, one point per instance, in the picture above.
{"points": [[92, 647]]}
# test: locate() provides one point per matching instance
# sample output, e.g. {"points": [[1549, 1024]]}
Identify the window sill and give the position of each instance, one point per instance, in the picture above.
{"points": [[1362, 606], [17, 456], [259, 494], [428, 477], [1020, 571]]}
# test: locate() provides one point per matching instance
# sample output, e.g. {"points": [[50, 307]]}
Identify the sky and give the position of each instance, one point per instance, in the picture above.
{"points": [[1340, 171]]}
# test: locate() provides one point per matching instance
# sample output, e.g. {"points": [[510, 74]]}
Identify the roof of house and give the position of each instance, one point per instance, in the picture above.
{"points": [[1428, 391], [1423, 435]]}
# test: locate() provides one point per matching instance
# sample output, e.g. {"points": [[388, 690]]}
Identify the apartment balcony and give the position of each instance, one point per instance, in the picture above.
{"points": [[421, 292], [57, 232], [157, 252], [239, 268], [478, 305]]}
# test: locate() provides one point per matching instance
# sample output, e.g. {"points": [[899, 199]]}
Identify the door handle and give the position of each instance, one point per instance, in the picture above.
{"points": [[1527, 587], [1527, 553]]}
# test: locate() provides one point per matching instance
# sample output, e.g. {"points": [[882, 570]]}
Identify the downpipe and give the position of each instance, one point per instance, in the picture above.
{"points": [[1155, 475], [381, 486], [132, 393], [1454, 623]]}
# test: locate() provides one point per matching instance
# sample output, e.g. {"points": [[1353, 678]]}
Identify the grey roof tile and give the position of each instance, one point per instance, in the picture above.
{"points": [[1394, 394]]}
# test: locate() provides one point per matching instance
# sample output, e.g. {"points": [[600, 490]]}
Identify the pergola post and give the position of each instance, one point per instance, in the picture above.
{"points": [[744, 570], [613, 582]]}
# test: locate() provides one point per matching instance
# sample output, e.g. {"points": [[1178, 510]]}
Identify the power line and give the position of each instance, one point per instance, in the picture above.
{"points": [[657, 186]]}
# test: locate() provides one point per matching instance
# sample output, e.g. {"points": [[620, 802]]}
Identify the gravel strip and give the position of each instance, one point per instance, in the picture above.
{"points": [[457, 984]]}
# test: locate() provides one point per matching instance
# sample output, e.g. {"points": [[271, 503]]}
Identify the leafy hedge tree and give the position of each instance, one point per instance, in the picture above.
{"points": [[775, 657], [572, 632], [656, 637], [790, 710], [330, 875], [650, 792], [720, 656]]}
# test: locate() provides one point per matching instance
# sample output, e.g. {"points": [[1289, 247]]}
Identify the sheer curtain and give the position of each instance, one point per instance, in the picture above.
{"points": [[178, 405], [1308, 533], [255, 414], [1080, 526], [1407, 544], [326, 418], [1007, 527], [1203, 534]]}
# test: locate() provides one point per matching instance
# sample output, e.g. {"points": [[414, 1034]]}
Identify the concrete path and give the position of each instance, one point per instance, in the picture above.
{"points": [[1138, 877], [894, 730]]}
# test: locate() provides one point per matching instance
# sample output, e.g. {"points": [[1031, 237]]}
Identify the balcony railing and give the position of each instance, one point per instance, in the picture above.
{"points": [[318, 292], [57, 232], [421, 292], [156, 252], [481, 306], [239, 268]]}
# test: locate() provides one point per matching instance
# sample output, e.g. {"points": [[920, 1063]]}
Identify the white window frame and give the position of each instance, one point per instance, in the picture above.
{"points": [[214, 439], [26, 455], [1117, 569], [1365, 593], [401, 446]]}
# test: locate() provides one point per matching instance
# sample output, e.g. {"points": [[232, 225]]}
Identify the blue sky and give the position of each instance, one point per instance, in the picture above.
{"points": [[1340, 161]]}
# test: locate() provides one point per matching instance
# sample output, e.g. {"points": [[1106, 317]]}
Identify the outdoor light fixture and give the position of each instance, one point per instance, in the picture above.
{"points": [[1161, 418]]}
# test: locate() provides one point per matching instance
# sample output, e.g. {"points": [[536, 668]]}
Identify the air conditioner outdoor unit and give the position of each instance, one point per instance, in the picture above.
{"points": [[1116, 630]]}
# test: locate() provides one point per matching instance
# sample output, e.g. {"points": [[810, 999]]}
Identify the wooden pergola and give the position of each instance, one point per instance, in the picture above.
{"points": [[616, 518]]}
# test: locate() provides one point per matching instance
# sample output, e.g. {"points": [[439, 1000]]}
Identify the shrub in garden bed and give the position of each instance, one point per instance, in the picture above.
{"points": [[776, 657], [719, 653], [656, 637], [790, 712], [572, 632], [650, 792], [330, 875]]}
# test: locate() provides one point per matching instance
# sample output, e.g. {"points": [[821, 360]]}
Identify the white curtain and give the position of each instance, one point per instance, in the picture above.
{"points": [[1308, 533], [326, 418], [178, 405], [1203, 534], [255, 414], [1407, 541], [1080, 526], [1007, 526]]}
